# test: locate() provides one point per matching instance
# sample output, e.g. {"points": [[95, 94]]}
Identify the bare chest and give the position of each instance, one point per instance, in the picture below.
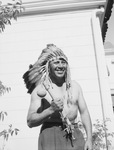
{"points": [[53, 93], [70, 105]]}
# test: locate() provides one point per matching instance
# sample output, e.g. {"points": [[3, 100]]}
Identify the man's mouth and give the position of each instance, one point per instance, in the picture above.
{"points": [[60, 70]]}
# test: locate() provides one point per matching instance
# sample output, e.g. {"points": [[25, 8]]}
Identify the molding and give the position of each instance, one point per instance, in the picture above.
{"points": [[40, 7], [109, 52], [103, 80], [112, 91], [99, 12]]}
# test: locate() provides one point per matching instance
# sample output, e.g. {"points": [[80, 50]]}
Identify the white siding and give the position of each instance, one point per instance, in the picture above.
{"points": [[20, 45]]}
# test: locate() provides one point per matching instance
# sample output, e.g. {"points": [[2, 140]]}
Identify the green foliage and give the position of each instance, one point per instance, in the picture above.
{"points": [[100, 133], [2, 114], [8, 12], [4, 89], [10, 131]]}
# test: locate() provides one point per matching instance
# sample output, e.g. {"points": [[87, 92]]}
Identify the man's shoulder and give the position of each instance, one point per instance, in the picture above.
{"points": [[39, 90], [75, 84]]}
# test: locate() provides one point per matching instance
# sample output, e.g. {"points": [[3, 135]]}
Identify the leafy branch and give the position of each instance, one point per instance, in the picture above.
{"points": [[8, 12], [99, 134], [2, 114], [3, 89], [101, 131], [9, 132]]}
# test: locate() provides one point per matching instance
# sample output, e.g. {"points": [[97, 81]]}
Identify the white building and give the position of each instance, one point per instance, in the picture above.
{"points": [[110, 66], [75, 27]]}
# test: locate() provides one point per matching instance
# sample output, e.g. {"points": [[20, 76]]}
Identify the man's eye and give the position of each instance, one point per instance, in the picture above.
{"points": [[63, 62], [56, 62]]}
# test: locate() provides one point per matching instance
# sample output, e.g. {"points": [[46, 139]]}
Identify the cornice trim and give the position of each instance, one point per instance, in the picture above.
{"points": [[109, 52], [55, 6]]}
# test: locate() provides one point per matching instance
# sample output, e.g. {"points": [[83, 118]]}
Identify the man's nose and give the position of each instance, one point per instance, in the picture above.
{"points": [[60, 65]]}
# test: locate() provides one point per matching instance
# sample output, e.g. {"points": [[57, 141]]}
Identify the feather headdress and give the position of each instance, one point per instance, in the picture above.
{"points": [[38, 72]]}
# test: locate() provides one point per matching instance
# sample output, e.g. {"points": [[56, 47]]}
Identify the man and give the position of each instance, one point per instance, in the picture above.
{"points": [[55, 101]]}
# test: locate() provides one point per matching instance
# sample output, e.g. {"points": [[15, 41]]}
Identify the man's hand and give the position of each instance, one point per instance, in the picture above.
{"points": [[57, 104], [88, 145]]}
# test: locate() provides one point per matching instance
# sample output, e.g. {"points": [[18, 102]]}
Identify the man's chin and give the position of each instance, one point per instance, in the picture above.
{"points": [[60, 75]]}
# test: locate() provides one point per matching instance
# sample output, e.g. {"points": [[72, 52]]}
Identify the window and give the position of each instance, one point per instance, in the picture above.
{"points": [[112, 95]]}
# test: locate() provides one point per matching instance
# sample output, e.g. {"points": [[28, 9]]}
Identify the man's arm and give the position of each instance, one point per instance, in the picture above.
{"points": [[34, 118], [85, 117]]}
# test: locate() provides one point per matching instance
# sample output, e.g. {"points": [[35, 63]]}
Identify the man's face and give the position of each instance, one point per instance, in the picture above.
{"points": [[58, 68]]}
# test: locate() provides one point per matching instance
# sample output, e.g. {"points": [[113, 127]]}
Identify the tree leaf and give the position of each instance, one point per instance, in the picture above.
{"points": [[12, 132]]}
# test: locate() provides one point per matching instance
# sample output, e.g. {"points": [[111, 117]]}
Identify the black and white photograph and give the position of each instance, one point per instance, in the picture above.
{"points": [[57, 74]]}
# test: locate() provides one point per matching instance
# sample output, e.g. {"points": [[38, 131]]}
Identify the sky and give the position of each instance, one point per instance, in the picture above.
{"points": [[110, 31]]}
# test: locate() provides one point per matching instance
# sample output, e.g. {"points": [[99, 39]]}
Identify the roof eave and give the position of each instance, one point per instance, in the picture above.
{"points": [[55, 6], [106, 17]]}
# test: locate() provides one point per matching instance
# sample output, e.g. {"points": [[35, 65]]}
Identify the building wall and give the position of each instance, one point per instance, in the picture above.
{"points": [[109, 54], [22, 42]]}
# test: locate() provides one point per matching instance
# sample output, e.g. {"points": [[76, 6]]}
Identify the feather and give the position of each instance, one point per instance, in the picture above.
{"points": [[38, 72]]}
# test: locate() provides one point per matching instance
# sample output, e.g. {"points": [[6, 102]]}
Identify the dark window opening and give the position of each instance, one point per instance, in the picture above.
{"points": [[112, 95]]}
